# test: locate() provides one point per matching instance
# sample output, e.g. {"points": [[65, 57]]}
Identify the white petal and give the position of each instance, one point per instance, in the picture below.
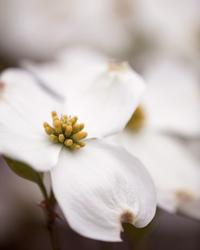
{"points": [[109, 101], [172, 100], [172, 167], [54, 75], [100, 183], [15, 120], [25, 97], [37, 151], [58, 75]]}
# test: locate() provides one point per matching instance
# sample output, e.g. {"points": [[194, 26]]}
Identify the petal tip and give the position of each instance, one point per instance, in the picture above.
{"points": [[127, 217]]}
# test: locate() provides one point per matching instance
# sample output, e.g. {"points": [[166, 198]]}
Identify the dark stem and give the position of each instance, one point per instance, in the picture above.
{"points": [[53, 238], [48, 206], [50, 216]]}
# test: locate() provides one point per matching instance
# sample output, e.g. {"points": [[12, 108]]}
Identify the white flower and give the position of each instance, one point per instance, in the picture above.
{"points": [[166, 23], [100, 185], [172, 99], [38, 29], [170, 107]]}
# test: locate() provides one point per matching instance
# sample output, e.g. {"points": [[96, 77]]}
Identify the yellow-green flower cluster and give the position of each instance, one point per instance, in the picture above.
{"points": [[65, 130]]}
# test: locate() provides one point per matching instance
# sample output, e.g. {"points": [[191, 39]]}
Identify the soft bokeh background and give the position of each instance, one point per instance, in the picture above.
{"points": [[143, 32]]}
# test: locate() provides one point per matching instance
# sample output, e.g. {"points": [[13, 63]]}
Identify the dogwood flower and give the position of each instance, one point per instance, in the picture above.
{"points": [[97, 184], [38, 29], [171, 96], [170, 107], [152, 21]]}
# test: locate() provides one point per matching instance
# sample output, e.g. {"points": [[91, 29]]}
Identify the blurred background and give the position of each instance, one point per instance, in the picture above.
{"points": [[154, 36]]}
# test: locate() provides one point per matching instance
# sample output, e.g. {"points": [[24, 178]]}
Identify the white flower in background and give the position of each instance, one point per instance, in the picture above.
{"points": [[100, 185], [173, 25], [170, 108], [38, 29], [172, 102]]}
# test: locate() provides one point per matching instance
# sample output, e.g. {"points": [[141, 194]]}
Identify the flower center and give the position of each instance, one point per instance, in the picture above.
{"points": [[137, 119], [117, 66], [184, 196], [65, 130]]}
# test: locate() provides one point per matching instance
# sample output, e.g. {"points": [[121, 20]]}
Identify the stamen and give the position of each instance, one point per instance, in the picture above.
{"points": [[78, 136], [68, 130], [54, 138], [64, 126], [45, 125], [75, 146], [68, 142], [49, 130], [76, 118], [53, 113], [72, 120], [55, 118], [58, 127], [80, 143], [65, 130], [61, 138], [76, 127], [81, 126]]}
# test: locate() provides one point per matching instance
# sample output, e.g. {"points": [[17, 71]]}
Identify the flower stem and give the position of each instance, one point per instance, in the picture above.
{"points": [[42, 187], [48, 205], [50, 216], [52, 198], [53, 238]]}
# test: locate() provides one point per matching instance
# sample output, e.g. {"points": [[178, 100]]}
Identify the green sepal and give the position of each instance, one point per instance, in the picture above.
{"points": [[24, 171]]}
